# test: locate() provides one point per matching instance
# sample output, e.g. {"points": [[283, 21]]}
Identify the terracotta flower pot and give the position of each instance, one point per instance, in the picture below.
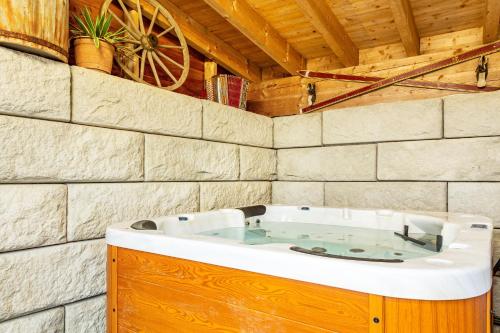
{"points": [[89, 56]]}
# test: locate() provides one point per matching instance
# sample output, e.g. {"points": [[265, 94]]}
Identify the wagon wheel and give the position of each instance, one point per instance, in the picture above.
{"points": [[145, 42]]}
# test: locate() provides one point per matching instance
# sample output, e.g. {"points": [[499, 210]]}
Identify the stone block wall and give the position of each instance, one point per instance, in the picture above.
{"points": [[81, 150], [434, 155]]}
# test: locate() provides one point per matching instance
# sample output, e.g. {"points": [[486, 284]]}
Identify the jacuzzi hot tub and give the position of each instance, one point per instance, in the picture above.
{"points": [[300, 269]]}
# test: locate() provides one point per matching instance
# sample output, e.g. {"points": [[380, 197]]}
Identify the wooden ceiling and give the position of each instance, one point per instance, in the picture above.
{"points": [[287, 33]]}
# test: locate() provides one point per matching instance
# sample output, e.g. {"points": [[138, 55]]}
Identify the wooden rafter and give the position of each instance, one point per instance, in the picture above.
{"points": [[244, 18], [492, 17], [407, 28], [327, 24], [206, 42]]}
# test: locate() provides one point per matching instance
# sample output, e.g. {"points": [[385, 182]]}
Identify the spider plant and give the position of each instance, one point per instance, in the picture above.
{"points": [[97, 29]]}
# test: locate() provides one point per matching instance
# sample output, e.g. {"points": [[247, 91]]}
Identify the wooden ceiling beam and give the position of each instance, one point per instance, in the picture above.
{"points": [[490, 30], [405, 22], [206, 42], [327, 24], [244, 18]]}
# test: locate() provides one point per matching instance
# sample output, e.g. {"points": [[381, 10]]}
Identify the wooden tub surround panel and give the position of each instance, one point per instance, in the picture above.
{"points": [[154, 293]]}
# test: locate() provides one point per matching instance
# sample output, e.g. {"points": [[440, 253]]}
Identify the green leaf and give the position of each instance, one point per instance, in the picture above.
{"points": [[82, 26], [96, 29], [105, 27], [88, 21]]}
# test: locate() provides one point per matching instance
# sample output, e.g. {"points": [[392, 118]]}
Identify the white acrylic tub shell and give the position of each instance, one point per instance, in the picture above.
{"points": [[462, 270]]}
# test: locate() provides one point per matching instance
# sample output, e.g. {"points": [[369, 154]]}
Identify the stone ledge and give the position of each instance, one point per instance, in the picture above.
{"points": [[298, 193], [46, 151], [169, 158], [475, 198], [472, 115], [125, 104], [92, 207], [257, 163], [297, 131], [233, 194], [410, 120], [33, 86], [227, 124], [475, 159], [355, 162], [390, 195], [32, 215], [58, 275], [86, 316], [49, 321]]}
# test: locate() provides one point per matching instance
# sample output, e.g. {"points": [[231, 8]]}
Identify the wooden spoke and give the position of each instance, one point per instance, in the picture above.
{"points": [[131, 31], [141, 20], [143, 64], [129, 18], [153, 20], [169, 46], [153, 67], [165, 69], [166, 57], [165, 31], [131, 41], [137, 49]]}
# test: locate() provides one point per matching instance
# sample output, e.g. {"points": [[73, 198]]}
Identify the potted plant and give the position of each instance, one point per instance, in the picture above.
{"points": [[94, 42]]}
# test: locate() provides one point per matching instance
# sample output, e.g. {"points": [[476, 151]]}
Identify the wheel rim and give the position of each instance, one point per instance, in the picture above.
{"points": [[144, 44]]}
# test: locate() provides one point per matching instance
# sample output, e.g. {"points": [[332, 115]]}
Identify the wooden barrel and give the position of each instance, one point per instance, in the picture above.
{"points": [[36, 26]]}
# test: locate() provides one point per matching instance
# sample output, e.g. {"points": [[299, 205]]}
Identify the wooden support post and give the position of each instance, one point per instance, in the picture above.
{"points": [[405, 22]]}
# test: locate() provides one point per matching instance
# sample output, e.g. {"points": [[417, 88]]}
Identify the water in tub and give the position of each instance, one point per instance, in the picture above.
{"points": [[330, 239]]}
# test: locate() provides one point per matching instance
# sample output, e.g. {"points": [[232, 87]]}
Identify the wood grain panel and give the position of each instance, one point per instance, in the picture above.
{"points": [[280, 96], [414, 316], [146, 307], [315, 305]]}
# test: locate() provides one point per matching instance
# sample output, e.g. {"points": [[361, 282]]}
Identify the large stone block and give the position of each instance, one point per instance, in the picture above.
{"points": [[233, 194], [126, 104], [398, 195], [92, 207], [44, 151], [298, 193], [257, 163], [475, 198], [413, 120], [87, 316], [472, 115], [37, 279], [457, 159], [32, 215], [32, 86], [328, 163], [228, 124], [50, 321], [297, 131], [169, 158]]}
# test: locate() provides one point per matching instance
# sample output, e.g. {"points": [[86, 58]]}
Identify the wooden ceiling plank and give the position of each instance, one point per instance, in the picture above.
{"points": [[490, 31], [244, 18], [405, 22], [207, 43], [324, 20]]}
